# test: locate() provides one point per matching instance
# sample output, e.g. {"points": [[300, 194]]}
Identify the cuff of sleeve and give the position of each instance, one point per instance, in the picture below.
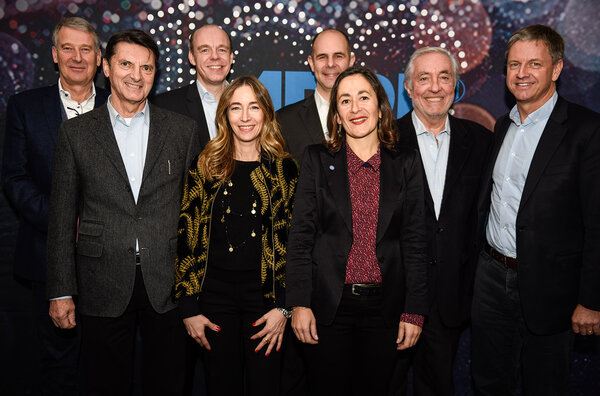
{"points": [[188, 307], [414, 319]]}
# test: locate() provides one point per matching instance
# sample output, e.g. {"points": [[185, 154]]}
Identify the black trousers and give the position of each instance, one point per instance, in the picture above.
{"points": [[355, 354], [60, 350], [108, 349], [234, 301], [502, 346], [432, 359]]}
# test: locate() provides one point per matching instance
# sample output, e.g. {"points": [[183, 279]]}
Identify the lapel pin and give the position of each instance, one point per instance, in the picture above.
{"points": [[331, 167]]}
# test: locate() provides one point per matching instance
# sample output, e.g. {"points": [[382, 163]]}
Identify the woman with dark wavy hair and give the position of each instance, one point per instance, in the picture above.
{"points": [[231, 251], [356, 273]]}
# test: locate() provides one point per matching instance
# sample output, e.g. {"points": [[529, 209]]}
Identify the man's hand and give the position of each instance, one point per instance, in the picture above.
{"points": [[408, 335], [304, 325], [62, 313], [585, 321]]}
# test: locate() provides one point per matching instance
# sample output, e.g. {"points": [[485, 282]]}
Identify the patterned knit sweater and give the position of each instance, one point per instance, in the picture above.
{"points": [[275, 183]]}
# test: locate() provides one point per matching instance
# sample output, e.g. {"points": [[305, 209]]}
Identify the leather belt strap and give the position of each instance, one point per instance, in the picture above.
{"points": [[509, 262]]}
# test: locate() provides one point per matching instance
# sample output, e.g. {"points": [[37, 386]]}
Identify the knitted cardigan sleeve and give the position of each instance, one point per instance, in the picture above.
{"points": [[192, 241]]}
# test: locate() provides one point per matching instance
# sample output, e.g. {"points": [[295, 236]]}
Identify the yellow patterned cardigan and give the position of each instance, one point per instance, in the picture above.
{"points": [[275, 184]]}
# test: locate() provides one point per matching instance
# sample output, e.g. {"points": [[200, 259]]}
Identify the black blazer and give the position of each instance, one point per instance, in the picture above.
{"points": [[558, 221], [300, 126], [451, 252], [321, 234], [185, 101], [32, 121]]}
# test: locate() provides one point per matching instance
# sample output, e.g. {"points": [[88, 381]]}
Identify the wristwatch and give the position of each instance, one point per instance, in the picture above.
{"points": [[285, 312]]}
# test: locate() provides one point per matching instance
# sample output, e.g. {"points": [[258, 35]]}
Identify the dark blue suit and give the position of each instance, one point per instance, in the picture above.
{"points": [[32, 121]]}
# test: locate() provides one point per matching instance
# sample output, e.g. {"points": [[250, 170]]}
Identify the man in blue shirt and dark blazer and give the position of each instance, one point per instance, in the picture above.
{"points": [[33, 119], [538, 275]]}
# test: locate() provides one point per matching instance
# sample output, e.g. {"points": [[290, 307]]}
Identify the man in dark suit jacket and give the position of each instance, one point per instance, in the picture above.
{"points": [[33, 119], [453, 153], [118, 178], [538, 276], [211, 54], [305, 122]]}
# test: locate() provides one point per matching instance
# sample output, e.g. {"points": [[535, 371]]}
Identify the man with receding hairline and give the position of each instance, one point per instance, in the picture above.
{"points": [[33, 119], [305, 122], [211, 54]]}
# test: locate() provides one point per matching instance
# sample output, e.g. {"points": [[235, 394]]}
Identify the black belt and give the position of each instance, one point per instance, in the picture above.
{"points": [[509, 262], [137, 258], [365, 289]]}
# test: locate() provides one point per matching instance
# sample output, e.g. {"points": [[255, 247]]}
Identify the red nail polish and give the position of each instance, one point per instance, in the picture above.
{"points": [[253, 323], [267, 354], [256, 351], [218, 328]]}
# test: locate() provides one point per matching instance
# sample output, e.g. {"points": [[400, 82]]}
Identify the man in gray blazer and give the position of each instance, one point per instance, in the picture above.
{"points": [[305, 122], [118, 176]]}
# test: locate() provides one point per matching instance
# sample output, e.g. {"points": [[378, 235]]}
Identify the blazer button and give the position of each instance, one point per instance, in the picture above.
{"points": [[130, 250], [441, 229]]}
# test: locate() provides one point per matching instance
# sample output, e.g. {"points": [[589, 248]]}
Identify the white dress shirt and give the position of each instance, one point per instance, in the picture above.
{"points": [[323, 110]]}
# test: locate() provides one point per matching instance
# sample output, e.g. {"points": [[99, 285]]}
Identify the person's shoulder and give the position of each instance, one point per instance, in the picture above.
{"points": [[579, 113], [166, 98], [34, 94], [292, 108], [170, 116], [289, 166], [474, 130]]}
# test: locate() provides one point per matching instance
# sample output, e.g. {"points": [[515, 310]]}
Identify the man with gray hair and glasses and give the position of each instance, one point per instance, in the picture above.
{"points": [[32, 122]]}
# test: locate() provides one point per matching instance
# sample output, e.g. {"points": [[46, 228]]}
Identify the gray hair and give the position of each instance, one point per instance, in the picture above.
{"points": [[77, 24], [427, 50]]}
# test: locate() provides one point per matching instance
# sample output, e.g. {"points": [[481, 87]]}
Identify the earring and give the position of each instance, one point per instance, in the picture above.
{"points": [[379, 127], [339, 131]]}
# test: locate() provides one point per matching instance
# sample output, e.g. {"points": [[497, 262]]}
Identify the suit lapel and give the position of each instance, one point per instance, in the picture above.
{"points": [[336, 168], [408, 138], [457, 156], [388, 192], [310, 116], [553, 133], [106, 139], [156, 138], [53, 112], [194, 107]]}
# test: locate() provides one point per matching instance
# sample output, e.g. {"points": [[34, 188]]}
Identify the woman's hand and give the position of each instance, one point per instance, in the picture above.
{"points": [[196, 327], [272, 333], [305, 325]]}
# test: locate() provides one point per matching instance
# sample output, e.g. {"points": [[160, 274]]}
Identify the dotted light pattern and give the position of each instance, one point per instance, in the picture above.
{"points": [[276, 35]]}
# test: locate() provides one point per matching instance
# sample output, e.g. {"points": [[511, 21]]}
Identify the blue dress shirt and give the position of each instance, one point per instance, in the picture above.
{"points": [[434, 155], [510, 173]]}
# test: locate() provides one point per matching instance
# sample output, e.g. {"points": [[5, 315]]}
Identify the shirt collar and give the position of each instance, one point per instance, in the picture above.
{"points": [[355, 163], [115, 116], [67, 94], [204, 94], [541, 114], [320, 101], [420, 127]]}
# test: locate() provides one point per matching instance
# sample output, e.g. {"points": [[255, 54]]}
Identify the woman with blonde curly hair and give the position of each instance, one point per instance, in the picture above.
{"points": [[231, 251]]}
